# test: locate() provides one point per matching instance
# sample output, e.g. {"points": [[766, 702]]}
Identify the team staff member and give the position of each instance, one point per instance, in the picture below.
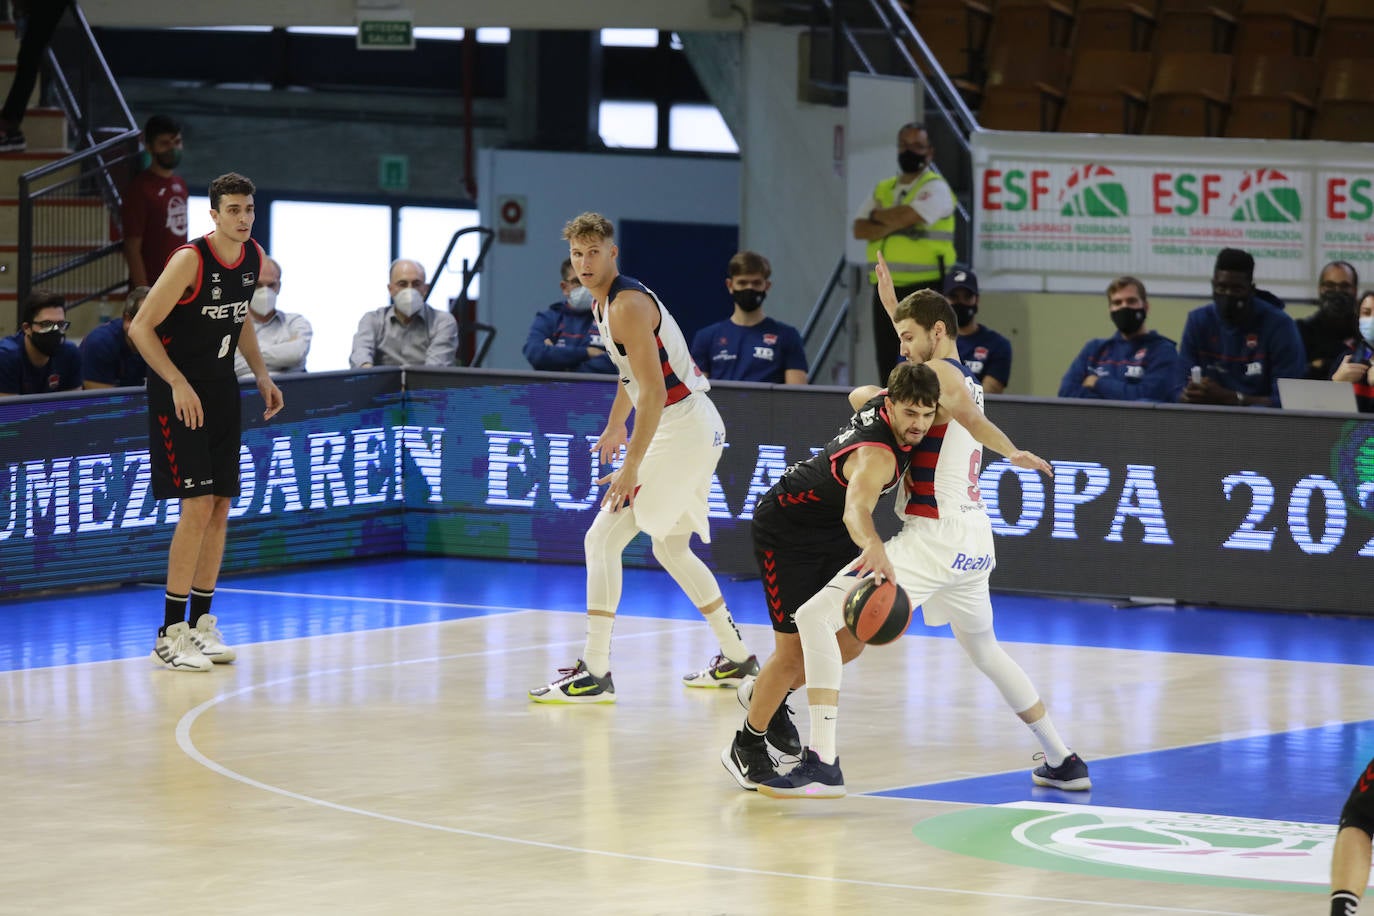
{"points": [[1134, 364], [194, 318], [910, 221], [986, 353], [749, 346], [39, 359], [108, 357]]}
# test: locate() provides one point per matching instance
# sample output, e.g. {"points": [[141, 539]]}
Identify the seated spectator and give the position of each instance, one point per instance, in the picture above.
{"points": [[1134, 364], [283, 337], [749, 346], [108, 359], [1330, 330], [1239, 344], [986, 353], [38, 359], [407, 332], [564, 337], [1356, 364]]}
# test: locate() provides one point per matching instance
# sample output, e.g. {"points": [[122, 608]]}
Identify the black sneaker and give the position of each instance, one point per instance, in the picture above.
{"points": [[748, 763], [782, 734], [1071, 775], [809, 779], [12, 140], [576, 685]]}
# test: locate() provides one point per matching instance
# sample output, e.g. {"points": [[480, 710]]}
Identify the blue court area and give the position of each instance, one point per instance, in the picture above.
{"points": [[1300, 775]]}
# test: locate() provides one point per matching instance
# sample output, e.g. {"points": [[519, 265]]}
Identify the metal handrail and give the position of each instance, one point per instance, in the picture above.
{"points": [[819, 307], [470, 272], [962, 117]]}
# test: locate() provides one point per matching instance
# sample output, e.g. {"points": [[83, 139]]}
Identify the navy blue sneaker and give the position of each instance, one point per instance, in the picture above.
{"points": [[782, 734], [576, 685], [1071, 775], [810, 779]]}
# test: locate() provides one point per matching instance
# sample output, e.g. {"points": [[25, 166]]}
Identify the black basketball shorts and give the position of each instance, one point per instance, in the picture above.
{"points": [[1359, 807], [794, 569], [195, 462]]}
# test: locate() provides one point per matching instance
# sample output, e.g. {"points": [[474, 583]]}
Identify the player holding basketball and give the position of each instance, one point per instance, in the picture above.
{"points": [[1350, 856], [187, 331], [942, 557], [662, 485], [805, 531]]}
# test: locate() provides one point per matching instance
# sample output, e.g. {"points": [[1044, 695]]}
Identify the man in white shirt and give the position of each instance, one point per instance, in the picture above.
{"points": [[283, 338]]}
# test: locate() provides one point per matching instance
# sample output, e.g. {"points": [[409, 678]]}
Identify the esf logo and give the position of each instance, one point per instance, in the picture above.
{"points": [[235, 310]]}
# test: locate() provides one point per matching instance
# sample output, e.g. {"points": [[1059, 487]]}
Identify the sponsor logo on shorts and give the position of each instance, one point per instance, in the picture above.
{"points": [[965, 563]]}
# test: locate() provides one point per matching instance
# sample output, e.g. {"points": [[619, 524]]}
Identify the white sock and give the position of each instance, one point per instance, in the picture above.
{"points": [[723, 625], [823, 732], [1048, 736], [597, 653]]}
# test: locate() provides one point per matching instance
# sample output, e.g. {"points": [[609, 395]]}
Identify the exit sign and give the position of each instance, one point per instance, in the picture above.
{"points": [[386, 30], [393, 173]]}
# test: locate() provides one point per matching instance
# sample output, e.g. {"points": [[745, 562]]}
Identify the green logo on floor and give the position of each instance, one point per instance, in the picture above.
{"points": [[1154, 845]]}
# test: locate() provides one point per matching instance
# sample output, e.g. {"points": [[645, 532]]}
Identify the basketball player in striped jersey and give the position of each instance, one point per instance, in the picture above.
{"points": [[661, 487], [192, 321], [943, 557]]}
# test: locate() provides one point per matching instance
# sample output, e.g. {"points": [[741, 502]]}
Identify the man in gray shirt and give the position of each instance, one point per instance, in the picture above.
{"points": [[407, 332]]}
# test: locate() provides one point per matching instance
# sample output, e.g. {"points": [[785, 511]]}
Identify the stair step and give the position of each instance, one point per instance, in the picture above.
{"points": [[46, 130], [59, 222], [9, 42], [7, 77], [12, 165]]}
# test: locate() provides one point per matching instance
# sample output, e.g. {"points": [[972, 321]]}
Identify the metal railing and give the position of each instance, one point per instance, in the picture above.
{"points": [[463, 306], [69, 238]]}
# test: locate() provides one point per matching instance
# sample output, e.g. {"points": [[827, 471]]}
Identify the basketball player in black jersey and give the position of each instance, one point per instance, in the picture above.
{"points": [[1350, 856], [805, 530], [187, 331]]}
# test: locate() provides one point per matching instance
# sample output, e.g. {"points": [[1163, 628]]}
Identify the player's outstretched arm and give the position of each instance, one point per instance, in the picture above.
{"points": [[955, 398], [868, 470]]}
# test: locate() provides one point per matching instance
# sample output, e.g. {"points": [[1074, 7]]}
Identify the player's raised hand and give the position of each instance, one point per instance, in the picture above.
{"points": [[886, 291]]}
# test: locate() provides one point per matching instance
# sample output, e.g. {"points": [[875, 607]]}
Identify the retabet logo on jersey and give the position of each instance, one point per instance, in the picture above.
{"points": [[236, 310], [1093, 190]]}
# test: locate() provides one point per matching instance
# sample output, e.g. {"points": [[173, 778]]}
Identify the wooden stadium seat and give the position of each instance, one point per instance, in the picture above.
{"points": [[1274, 97], [956, 32], [1347, 30], [1181, 26], [1277, 27], [1189, 95], [1107, 93], [1024, 88], [1031, 24], [1345, 110], [1113, 25]]}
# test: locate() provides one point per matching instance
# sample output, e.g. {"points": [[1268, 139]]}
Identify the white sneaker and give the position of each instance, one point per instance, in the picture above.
{"points": [[178, 651], [210, 641]]}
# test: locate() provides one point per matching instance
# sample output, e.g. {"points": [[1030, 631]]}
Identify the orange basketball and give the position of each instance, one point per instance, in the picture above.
{"points": [[877, 613]]}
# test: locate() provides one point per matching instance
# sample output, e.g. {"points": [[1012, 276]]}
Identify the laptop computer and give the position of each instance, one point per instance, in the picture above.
{"points": [[1314, 394]]}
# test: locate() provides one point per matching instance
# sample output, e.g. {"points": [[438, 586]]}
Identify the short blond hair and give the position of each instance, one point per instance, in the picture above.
{"points": [[588, 225]]}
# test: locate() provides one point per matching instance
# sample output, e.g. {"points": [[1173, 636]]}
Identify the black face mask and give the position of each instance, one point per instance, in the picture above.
{"points": [[964, 313], [1337, 309], [48, 343], [1234, 310], [751, 300], [910, 162], [1128, 321]]}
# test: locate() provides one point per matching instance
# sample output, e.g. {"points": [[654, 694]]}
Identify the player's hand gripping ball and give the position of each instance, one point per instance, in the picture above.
{"points": [[877, 613]]}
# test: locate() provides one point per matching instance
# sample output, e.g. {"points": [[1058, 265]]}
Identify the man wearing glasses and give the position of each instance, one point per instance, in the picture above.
{"points": [[39, 359]]}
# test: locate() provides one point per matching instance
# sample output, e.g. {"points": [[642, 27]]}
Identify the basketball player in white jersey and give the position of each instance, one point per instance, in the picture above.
{"points": [[662, 485], [943, 557]]}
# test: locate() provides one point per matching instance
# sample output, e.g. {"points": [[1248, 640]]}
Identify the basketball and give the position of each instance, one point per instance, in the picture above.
{"points": [[877, 613]]}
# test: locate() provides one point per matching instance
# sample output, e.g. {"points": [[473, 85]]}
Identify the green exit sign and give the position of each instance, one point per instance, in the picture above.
{"points": [[393, 173], [394, 32]]}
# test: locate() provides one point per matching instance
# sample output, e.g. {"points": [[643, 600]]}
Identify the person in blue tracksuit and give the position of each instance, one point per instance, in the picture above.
{"points": [[1134, 364], [563, 337]]}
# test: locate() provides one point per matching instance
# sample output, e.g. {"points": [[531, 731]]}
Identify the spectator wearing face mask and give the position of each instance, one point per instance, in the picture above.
{"points": [[749, 346], [564, 336], [1356, 364], [108, 358], [1237, 347], [283, 337], [986, 353], [1134, 364], [154, 209], [407, 332], [1330, 330], [38, 359]]}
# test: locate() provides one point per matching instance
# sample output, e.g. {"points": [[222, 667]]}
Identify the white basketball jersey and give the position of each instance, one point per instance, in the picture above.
{"points": [[680, 373], [943, 479]]}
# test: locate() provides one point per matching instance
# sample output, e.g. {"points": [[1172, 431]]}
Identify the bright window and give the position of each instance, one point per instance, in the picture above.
{"points": [[699, 128], [425, 233], [629, 38], [628, 125]]}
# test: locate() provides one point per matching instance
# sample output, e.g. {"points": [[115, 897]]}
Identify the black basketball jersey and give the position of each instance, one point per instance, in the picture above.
{"points": [[202, 331], [811, 492]]}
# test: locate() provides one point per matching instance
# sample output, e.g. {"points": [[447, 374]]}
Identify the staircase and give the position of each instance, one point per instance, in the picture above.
{"points": [[59, 206]]}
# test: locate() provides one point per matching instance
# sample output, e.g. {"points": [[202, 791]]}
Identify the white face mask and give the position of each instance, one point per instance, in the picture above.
{"points": [[580, 299], [407, 302], [1367, 327], [264, 301]]}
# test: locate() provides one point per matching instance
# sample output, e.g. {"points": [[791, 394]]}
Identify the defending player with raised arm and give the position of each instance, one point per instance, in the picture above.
{"points": [[662, 486], [806, 529], [192, 320]]}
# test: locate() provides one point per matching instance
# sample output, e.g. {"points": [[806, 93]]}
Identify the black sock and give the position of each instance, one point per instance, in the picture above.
{"points": [[1344, 903], [747, 735], [200, 604], [174, 611]]}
